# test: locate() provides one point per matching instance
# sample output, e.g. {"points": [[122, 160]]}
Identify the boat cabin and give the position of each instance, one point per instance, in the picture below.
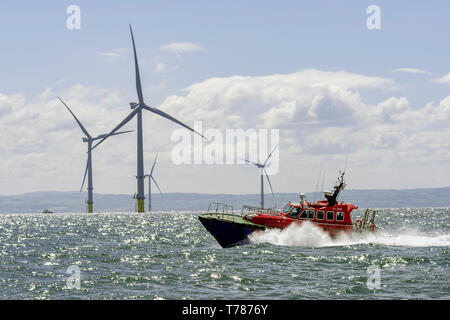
{"points": [[315, 212]]}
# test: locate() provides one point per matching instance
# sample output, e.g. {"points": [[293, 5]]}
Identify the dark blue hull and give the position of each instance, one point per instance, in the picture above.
{"points": [[229, 233]]}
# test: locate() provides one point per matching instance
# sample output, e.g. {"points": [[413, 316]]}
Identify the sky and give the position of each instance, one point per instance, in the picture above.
{"points": [[312, 70]]}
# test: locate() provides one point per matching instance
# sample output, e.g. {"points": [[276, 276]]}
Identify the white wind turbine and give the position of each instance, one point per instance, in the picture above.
{"points": [[150, 178], [262, 167], [89, 139], [137, 111]]}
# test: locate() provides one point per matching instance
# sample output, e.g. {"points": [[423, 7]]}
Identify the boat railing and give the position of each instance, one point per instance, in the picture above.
{"points": [[367, 222], [223, 210], [218, 207], [250, 209]]}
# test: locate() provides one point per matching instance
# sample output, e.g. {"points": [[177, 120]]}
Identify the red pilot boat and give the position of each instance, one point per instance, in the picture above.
{"points": [[332, 216]]}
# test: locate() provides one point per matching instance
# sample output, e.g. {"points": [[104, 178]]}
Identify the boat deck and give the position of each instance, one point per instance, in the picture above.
{"points": [[230, 218]]}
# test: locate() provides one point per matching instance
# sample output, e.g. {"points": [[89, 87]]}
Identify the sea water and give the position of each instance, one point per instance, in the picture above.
{"points": [[169, 255]]}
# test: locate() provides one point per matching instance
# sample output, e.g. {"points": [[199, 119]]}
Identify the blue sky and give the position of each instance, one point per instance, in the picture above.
{"points": [[240, 37], [232, 38]]}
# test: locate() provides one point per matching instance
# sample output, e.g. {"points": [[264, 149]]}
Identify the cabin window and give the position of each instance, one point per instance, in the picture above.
{"points": [[310, 214], [330, 215], [304, 214], [287, 208], [295, 211], [320, 215], [339, 216]]}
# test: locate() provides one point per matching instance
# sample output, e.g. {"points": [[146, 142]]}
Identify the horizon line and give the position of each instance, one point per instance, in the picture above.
{"points": [[230, 194]]}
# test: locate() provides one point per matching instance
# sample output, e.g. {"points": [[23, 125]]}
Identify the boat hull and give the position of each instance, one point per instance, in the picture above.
{"points": [[229, 230]]}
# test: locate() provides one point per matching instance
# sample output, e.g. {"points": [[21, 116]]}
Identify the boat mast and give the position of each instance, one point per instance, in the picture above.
{"points": [[340, 185]]}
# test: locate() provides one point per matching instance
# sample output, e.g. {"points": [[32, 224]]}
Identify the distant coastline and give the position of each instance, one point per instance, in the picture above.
{"points": [[73, 201]]}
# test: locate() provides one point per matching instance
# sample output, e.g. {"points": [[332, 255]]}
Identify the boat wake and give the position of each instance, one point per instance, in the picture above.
{"points": [[309, 235]]}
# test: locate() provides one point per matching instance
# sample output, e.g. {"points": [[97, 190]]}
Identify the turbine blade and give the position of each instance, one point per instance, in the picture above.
{"points": [[256, 164], [136, 68], [267, 176], [114, 134], [120, 125], [165, 115], [154, 162], [85, 173], [270, 155], [76, 119], [156, 185]]}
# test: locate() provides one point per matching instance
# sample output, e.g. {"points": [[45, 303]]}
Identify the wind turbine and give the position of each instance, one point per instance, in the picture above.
{"points": [[263, 170], [150, 178], [137, 111], [89, 139]]}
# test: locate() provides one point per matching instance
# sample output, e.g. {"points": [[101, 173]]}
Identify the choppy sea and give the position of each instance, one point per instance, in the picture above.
{"points": [[169, 255]]}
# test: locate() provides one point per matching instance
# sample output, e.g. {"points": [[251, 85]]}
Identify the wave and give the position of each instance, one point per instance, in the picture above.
{"points": [[309, 235]]}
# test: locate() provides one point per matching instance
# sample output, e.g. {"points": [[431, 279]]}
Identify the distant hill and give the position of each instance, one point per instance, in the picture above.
{"points": [[75, 201]]}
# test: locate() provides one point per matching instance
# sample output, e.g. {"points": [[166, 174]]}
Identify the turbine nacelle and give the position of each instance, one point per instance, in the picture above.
{"points": [[134, 105]]}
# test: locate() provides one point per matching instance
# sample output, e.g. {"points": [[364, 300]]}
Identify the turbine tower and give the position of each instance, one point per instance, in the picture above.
{"points": [[150, 178], [137, 111], [263, 170], [89, 139]]}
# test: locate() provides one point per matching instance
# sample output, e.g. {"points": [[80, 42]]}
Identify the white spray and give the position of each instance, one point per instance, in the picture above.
{"points": [[310, 235]]}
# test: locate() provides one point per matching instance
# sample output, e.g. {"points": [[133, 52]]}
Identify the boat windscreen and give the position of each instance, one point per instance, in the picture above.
{"points": [[287, 208], [295, 212]]}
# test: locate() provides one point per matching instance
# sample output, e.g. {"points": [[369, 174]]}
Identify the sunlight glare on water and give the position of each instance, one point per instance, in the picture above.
{"points": [[169, 255]]}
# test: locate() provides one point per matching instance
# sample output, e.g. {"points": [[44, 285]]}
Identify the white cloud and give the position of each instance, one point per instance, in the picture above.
{"points": [[440, 112], [390, 109], [40, 140], [179, 47], [160, 67], [444, 79], [303, 96], [412, 70], [114, 53], [318, 113], [109, 54]]}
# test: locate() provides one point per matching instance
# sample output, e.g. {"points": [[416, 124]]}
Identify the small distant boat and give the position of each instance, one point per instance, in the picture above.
{"points": [[332, 216], [47, 211]]}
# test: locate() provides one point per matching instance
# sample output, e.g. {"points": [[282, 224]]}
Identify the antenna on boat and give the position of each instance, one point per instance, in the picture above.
{"points": [[323, 180], [346, 158], [317, 184]]}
